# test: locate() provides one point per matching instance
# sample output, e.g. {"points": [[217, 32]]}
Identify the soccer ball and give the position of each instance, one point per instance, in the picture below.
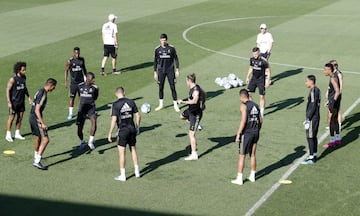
{"points": [[145, 108]]}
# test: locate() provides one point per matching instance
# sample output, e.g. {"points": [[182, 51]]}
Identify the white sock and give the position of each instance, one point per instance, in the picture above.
{"points": [[91, 139], [8, 133], [337, 137], [17, 132], [262, 112], [122, 171], [194, 152], [175, 103], [136, 167], [37, 158], [71, 110], [239, 176], [315, 154], [161, 102], [332, 139], [35, 154], [252, 173]]}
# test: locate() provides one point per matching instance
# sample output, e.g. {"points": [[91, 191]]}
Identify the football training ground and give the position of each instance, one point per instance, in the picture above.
{"points": [[213, 38]]}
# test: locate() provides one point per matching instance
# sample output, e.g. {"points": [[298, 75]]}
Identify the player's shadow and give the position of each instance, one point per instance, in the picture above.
{"points": [[349, 137], [153, 165], [285, 74], [282, 104], [212, 94], [137, 67], [287, 160], [220, 142]]}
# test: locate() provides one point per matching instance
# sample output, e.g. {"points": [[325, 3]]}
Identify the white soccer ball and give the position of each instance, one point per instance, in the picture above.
{"points": [[218, 81], [231, 76], [227, 85], [145, 108], [233, 83]]}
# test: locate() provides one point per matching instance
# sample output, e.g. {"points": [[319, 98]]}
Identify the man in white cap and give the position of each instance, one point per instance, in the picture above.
{"points": [[110, 40], [264, 41]]}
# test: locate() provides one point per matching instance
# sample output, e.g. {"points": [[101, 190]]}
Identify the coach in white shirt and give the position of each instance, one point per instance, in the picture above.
{"points": [[264, 41], [110, 40]]}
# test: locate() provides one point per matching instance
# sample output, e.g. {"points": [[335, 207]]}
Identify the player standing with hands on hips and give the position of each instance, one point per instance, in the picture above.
{"points": [[110, 40], [16, 91], [260, 74], [77, 68], [247, 135], [122, 114], [311, 123], [166, 64]]}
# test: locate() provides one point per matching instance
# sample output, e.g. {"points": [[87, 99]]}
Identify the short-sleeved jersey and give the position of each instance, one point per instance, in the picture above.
{"points": [[77, 70], [259, 65], [165, 59], [40, 98], [124, 109], [18, 90], [264, 41], [253, 123], [313, 104], [331, 89], [88, 93], [109, 31], [196, 108]]}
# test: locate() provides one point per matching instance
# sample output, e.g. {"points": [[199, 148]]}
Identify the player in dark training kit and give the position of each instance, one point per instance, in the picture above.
{"points": [[16, 91], [87, 109], [77, 68], [311, 123], [166, 64], [38, 126], [333, 104], [247, 135], [260, 74], [122, 114], [193, 114]]}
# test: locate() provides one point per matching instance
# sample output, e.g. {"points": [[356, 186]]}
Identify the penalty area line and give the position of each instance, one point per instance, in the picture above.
{"points": [[268, 193]]}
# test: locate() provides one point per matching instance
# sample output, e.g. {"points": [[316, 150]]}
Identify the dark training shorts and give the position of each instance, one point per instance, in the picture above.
{"points": [[36, 128], [194, 119], [127, 135], [16, 108], [247, 142], [110, 50], [74, 90], [259, 83], [85, 110]]}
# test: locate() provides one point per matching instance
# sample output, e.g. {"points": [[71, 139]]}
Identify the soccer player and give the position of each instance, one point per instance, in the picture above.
{"points": [[260, 74], [15, 94], [193, 114], [333, 104], [110, 41], [247, 135], [89, 92], [164, 59], [340, 76], [122, 114], [77, 68], [38, 126], [311, 123], [264, 41]]}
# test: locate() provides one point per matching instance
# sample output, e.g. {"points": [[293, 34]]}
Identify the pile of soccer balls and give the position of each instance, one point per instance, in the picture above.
{"points": [[231, 81], [145, 108]]}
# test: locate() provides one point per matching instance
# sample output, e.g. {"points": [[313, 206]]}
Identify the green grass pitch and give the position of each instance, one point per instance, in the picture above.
{"points": [[307, 34]]}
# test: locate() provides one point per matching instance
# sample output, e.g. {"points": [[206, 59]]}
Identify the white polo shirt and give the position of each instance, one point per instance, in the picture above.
{"points": [[109, 31], [264, 41]]}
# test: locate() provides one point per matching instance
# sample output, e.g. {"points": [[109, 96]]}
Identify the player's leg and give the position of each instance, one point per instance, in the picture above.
{"points": [[93, 128], [185, 115], [113, 59], [243, 146], [261, 87], [310, 137], [251, 88], [44, 140], [172, 81], [124, 134], [72, 94], [161, 83], [252, 162], [103, 62], [340, 119], [80, 121], [134, 155], [194, 122], [10, 120], [19, 118]]}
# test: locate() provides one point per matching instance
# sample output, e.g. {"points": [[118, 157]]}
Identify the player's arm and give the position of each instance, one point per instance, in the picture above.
{"points": [[336, 88], [66, 72], [27, 95], [249, 74], [195, 96], [138, 119], [84, 68], [242, 123], [112, 126], [314, 98], [96, 93], [155, 66], [268, 76], [340, 77], [116, 36], [9, 85], [176, 59]]}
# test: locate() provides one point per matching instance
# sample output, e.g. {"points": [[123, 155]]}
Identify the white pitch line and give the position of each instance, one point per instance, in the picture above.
{"points": [[184, 35], [292, 168]]}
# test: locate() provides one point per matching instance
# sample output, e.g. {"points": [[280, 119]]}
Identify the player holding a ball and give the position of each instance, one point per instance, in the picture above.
{"points": [[311, 123]]}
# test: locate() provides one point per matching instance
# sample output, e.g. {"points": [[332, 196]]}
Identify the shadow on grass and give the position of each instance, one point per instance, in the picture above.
{"points": [[287, 103], [349, 137], [15, 205], [220, 142], [285, 74], [137, 67], [287, 160], [153, 165]]}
